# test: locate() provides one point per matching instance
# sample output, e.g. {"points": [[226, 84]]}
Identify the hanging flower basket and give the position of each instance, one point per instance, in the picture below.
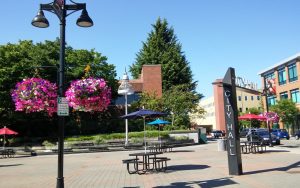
{"points": [[89, 95], [271, 116], [35, 95]]}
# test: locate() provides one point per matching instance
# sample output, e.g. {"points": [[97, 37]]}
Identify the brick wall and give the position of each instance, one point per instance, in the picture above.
{"points": [[152, 79]]}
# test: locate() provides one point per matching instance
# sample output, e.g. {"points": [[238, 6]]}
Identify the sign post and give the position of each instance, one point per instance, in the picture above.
{"points": [[231, 120]]}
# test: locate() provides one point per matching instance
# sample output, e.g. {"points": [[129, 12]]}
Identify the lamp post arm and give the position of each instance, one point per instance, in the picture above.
{"points": [[72, 7]]}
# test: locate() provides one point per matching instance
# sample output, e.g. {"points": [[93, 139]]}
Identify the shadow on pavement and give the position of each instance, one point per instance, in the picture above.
{"points": [[289, 146], [274, 151], [186, 167], [10, 165], [176, 151], [286, 168], [204, 184]]}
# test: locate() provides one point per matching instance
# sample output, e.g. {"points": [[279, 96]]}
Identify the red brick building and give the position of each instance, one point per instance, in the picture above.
{"points": [[150, 80]]}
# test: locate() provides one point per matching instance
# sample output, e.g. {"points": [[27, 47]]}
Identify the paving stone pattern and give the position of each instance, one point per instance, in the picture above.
{"points": [[191, 166]]}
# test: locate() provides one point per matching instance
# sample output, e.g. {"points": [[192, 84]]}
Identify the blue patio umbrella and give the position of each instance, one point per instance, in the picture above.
{"points": [[158, 122], [143, 113]]}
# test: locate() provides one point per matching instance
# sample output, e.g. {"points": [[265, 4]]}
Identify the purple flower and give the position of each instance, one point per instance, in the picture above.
{"points": [[89, 95], [34, 95]]}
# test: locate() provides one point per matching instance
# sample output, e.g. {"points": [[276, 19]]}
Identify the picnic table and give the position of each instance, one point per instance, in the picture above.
{"points": [[252, 147], [7, 152], [160, 146], [149, 162]]}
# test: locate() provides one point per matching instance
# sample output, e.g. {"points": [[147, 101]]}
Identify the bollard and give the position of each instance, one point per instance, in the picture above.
{"points": [[221, 144]]}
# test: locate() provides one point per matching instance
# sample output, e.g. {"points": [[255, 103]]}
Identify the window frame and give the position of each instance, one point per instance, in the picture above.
{"points": [[281, 76], [292, 71], [297, 92]]}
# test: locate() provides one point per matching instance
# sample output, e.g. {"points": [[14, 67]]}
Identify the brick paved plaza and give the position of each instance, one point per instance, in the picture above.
{"points": [[192, 166]]}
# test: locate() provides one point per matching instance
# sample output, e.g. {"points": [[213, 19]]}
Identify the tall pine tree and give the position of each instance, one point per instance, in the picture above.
{"points": [[162, 47]]}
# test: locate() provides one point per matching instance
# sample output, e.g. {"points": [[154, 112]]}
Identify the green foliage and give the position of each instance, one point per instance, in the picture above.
{"points": [[181, 138], [80, 138], [254, 111], [162, 47], [149, 101], [180, 102], [48, 143], [27, 59], [99, 140], [286, 110]]}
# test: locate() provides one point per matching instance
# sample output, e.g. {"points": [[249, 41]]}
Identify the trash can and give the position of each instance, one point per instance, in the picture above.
{"points": [[221, 144], [202, 139]]}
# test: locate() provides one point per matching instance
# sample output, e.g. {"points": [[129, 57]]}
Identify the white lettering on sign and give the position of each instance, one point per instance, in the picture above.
{"points": [[62, 106], [229, 127], [231, 135], [231, 152]]}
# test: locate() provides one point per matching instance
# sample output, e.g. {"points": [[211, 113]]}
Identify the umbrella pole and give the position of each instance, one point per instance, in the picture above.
{"points": [[159, 135], [4, 142], [250, 130], [145, 134]]}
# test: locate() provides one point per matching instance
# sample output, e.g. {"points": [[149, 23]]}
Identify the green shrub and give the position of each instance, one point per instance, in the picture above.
{"points": [[48, 143], [137, 140], [99, 140], [181, 138], [80, 138]]}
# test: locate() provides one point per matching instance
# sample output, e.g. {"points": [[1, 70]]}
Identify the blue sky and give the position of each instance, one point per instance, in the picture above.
{"points": [[215, 34]]}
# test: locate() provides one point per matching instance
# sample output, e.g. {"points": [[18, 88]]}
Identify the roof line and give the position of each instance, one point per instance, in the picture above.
{"points": [[286, 60]]}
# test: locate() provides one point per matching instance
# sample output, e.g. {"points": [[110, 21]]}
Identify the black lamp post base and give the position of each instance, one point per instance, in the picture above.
{"points": [[60, 182]]}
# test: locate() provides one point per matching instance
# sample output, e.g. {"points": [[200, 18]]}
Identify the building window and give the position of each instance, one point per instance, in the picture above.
{"points": [[240, 98], [252, 98], [295, 95], [240, 109], [246, 109], [292, 72], [246, 98], [284, 95], [258, 98], [272, 100], [281, 76], [270, 76]]}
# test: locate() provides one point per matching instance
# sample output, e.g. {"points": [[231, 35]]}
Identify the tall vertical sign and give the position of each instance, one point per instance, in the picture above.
{"points": [[231, 120]]}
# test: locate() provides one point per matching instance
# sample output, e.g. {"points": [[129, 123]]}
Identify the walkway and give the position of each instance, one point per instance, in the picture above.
{"points": [[192, 166]]}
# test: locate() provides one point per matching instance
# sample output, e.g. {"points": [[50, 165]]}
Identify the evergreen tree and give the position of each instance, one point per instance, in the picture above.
{"points": [[162, 47]]}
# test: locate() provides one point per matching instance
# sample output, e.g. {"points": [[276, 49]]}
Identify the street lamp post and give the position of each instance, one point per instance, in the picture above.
{"points": [[60, 8], [266, 94], [125, 89]]}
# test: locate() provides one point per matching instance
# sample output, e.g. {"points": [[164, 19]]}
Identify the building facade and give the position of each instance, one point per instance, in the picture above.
{"points": [[214, 118], [209, 120], [149, 81], [285, 81]]}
